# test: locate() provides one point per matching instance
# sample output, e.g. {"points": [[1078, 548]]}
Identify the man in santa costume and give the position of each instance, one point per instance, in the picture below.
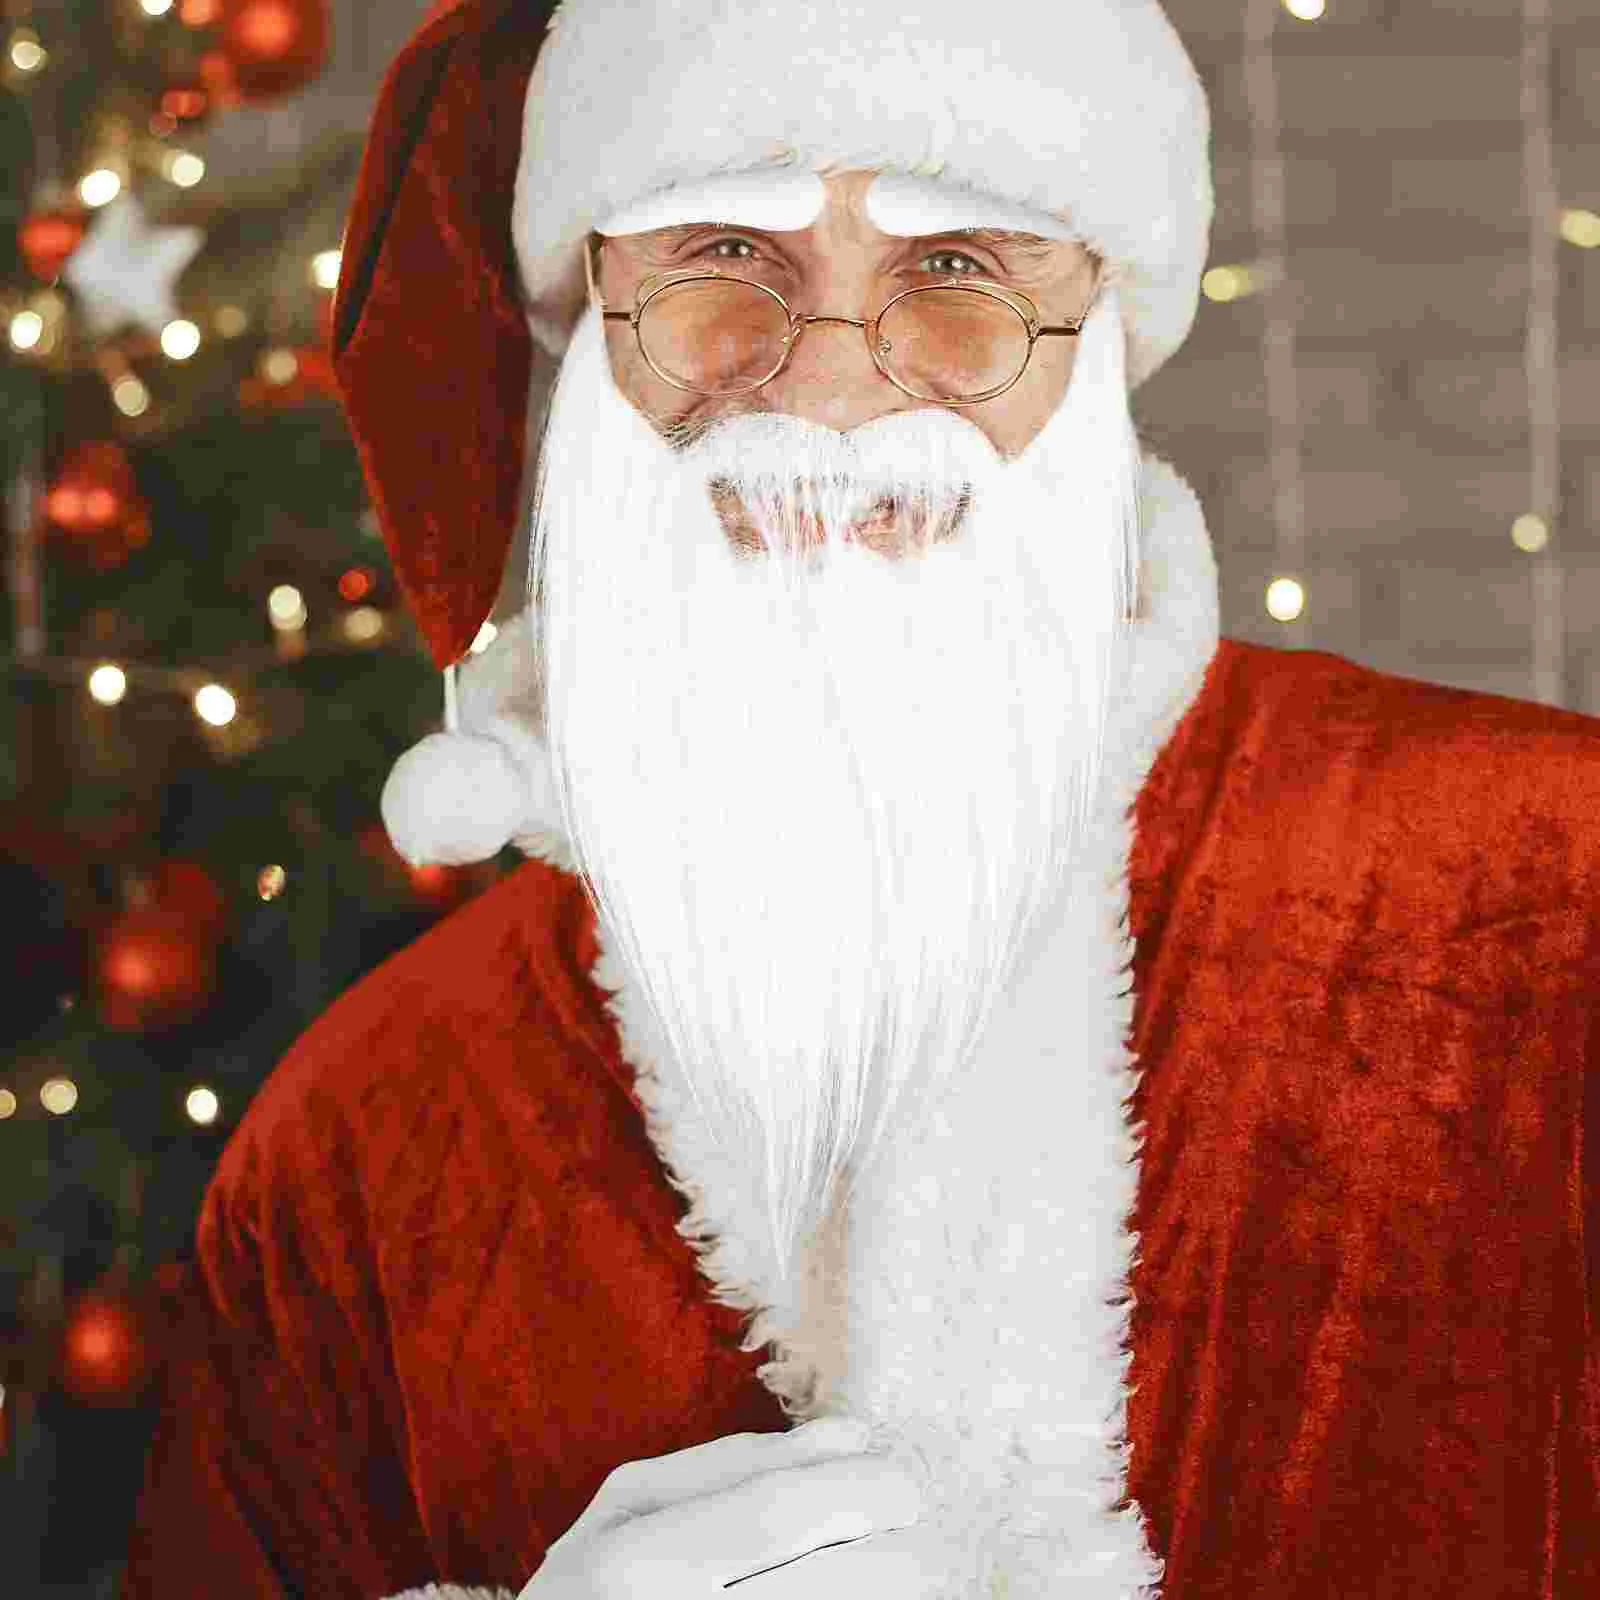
{"points": [[1141, 1079]]}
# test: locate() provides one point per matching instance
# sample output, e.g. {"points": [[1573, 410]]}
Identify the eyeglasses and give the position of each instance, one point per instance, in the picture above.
{"points": [[952, 344]]}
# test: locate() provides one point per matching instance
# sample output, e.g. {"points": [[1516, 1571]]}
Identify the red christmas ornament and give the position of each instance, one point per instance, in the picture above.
{"points": [[217, 77], [191, 894], [274, 47], [185, 102], [355, 583], [105, 1349], [153, 969], [94, 504], [48, 238]]}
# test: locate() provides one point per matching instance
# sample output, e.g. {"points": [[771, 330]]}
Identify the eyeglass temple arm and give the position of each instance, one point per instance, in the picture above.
{"points": [[1071, 329], [590, 250]]}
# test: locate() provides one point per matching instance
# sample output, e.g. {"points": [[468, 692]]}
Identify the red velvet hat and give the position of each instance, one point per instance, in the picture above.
{"points": [[470, 201], [431, 348]]}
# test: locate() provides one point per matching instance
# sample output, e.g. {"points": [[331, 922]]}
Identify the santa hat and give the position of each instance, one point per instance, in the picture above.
{"points": [[490, 159]]}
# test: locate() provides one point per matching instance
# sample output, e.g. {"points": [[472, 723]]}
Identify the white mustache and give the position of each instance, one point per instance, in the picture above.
{"points": [[923, 462]]}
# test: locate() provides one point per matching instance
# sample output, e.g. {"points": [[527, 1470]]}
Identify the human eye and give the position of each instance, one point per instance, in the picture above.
{"points": [[724, 246], [972, 268]]}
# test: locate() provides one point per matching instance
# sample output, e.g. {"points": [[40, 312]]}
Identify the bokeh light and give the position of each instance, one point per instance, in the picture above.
{"points": [[1286, 599], [202, 1105], [108, 683], [100, 187], [58, 1096], [215, 705]]}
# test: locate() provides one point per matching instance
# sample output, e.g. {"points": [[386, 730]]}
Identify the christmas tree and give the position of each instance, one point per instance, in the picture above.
{"points": [[209, 675]]}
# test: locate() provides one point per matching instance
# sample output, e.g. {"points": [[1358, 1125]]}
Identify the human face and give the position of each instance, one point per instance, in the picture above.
{"points": [[843, 265]]}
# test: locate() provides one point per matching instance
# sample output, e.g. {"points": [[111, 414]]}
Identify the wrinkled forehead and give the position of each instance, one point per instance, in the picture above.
{"points": [[786, 199]]}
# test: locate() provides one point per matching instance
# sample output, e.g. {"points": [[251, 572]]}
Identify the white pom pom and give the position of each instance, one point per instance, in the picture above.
{"points": [[455, 798]]}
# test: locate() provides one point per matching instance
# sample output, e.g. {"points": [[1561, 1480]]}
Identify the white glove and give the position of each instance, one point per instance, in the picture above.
{"points": [[741, 1511]]}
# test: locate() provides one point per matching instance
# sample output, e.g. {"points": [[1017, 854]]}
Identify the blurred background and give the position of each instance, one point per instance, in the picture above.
{"points": [[1389, 405]]}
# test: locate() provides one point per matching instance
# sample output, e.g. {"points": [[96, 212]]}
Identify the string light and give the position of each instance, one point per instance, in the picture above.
{"points": [[1286, 599], [230, 321], [58, 1096], [1530, 533], [129, 395], [184, 168], [202, 1106], [1305, 10], [1222, 284], [155, 8], [286, 608], [27, 54], [100, 187], [215, 705], [363, 624], [27, 329], [1581, 228], [278, 366], [325, 269], [8, 1104], [270, 882], [180, 339], [108, 683]]}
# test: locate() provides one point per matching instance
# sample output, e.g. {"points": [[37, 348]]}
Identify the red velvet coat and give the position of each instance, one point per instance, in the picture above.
{"points": [[439, 1294]]}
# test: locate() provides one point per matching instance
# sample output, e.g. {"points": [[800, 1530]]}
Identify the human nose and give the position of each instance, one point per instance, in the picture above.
{"points": [[831, 378]]}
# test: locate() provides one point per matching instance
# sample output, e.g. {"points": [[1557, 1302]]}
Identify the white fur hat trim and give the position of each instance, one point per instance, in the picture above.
{"points": [[1089, 109]]}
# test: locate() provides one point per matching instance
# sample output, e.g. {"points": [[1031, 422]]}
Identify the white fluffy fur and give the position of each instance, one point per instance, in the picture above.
{"points": [[1090, 109], [963, 1308], [463, 796]]}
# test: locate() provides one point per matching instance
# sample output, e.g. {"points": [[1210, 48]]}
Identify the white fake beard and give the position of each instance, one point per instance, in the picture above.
{"points": [[820, 798]]}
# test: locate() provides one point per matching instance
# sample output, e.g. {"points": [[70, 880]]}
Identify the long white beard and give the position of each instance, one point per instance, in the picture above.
{"points": [[821, 799]]}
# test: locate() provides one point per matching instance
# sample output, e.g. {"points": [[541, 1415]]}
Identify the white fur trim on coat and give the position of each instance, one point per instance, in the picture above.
{"points": [[1090, 109]]}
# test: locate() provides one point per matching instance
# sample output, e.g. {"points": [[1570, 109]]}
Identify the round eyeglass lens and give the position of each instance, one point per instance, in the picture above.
{"points": [[950, 343], [716, 335]]}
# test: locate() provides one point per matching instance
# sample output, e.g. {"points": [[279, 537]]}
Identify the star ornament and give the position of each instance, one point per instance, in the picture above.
{"points": [[125, 270]]}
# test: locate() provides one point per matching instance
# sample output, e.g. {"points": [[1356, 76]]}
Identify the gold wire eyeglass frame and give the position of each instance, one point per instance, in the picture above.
{"points": [[1027, 313]]}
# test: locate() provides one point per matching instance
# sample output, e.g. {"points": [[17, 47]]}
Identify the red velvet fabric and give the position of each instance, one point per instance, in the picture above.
{"points": [[439, 1294], [431, 347]]}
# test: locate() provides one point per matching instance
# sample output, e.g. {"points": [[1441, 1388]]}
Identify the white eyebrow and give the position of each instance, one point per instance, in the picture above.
{"points": [[773, 200], [911, 208]]}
